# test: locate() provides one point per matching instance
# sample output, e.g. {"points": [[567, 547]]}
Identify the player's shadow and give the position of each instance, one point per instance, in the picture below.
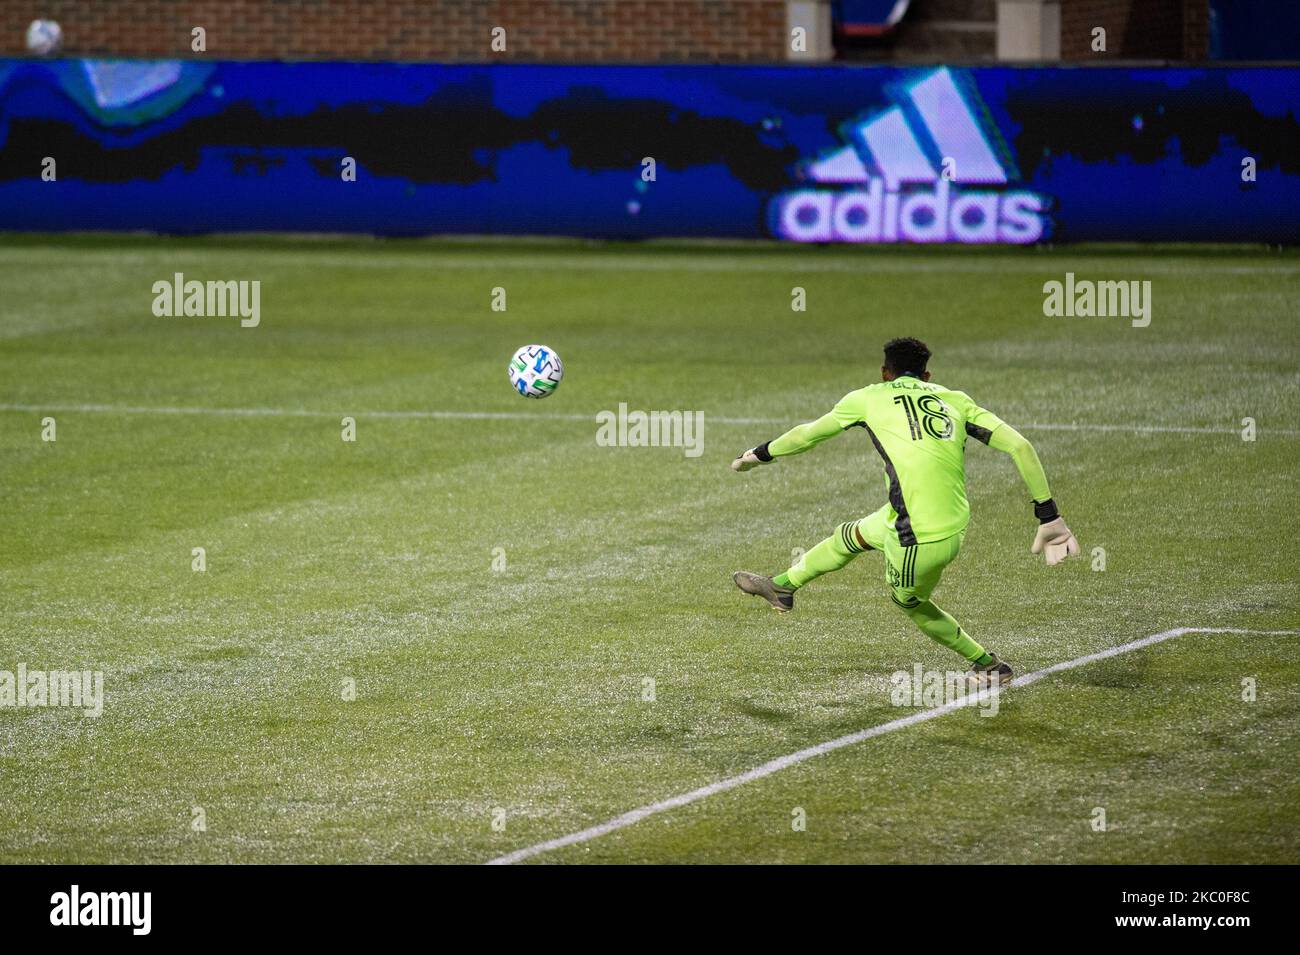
{"points": [[764, 713]]}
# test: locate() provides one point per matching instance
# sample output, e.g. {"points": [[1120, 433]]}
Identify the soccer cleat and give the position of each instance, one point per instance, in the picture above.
{"points": [[995, 671], [781, 598]]}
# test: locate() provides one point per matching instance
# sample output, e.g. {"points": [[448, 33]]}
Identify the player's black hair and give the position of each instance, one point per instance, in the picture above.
{"points": [[906, 356]]}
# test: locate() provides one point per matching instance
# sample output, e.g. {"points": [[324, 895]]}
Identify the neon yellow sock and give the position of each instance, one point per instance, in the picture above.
{"points": [[940, 627], [831, 554]]}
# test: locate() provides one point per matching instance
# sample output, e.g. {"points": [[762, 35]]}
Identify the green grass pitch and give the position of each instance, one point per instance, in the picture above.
{"points": [[515, 693]]}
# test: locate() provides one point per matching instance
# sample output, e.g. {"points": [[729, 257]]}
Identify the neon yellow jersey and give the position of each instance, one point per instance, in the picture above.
{"points": [[919, 429]]}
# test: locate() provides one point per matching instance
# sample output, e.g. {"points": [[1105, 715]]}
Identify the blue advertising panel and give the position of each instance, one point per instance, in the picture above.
{"points": [[803, 154]]}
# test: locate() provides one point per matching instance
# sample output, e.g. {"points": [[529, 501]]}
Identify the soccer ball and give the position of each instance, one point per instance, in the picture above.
{"points": [[44, 37], [535, 371]]}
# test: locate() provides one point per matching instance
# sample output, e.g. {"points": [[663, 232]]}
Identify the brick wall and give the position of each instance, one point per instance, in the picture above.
{"points": [[443, 30], [1136, 29]]}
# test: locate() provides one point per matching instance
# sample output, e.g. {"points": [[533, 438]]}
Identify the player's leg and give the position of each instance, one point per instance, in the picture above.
{"points": [[848, 541], [836, 551], [913, 573]]}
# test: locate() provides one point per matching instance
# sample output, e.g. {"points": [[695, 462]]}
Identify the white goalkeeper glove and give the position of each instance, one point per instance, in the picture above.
{"points": [[1054, 539], [752, 458]]}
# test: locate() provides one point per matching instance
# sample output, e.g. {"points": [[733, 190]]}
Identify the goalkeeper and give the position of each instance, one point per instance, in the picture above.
{"points": [[919, 429]]}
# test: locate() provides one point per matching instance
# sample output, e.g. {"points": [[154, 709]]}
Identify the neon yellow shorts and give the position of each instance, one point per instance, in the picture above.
{"points": [[913, 572]]}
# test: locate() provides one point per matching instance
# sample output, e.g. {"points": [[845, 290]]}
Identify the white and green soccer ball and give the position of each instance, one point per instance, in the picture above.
{"points": [[44, 37], [535, 371]]}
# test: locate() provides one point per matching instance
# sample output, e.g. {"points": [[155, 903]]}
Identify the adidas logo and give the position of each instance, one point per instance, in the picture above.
{"points": [[904, 174]]}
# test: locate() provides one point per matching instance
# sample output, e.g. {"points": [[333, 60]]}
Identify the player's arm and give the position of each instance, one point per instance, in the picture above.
{"points": [[1009, 441], [795, 441], [1054, 539]]}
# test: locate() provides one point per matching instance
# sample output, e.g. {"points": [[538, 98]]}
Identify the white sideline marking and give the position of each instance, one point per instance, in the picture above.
{"points": [[1147, 428], [284, 412], [784, 762], [307, 413], [547, 416]]}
